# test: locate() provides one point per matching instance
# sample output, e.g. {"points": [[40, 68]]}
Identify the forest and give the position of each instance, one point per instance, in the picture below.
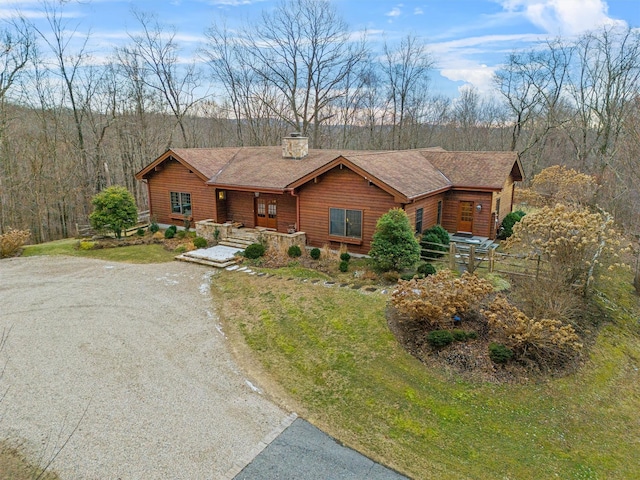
{"points": [[72, 124]]}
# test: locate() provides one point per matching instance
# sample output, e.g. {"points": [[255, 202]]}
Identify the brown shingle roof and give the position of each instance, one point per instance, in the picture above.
{"points": [[412, 173], [473, 169]]}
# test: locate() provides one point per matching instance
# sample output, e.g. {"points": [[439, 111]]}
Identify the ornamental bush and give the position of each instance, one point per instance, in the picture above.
{"points": [[170, 232], [11, 242], [439, 232], [315, 253], [154, 227], [344, 266], [200, 242], [425, 269], [506, 228], [439, 338], [431, 245], [294, 251], [498, 353], [114, 210], [345, 256], [394, 246], [255, 250]]}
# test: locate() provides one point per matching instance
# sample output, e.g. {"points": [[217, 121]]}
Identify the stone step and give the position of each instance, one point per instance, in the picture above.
{"points": [[202, 261], [235, 243]]}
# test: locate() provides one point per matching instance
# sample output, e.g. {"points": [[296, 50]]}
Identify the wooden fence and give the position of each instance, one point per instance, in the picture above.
{"points": [[142, 221], [471, 258]]}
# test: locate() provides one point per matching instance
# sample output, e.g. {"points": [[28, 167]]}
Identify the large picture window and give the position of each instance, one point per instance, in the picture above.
{"points": [[345, 223], [181, 203]]}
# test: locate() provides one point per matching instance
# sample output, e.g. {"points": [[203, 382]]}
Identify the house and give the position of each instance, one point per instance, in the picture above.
{"points": [[335, 197]]}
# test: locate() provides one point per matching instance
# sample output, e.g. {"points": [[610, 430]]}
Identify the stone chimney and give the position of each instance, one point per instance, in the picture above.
{"points": [[295, 146]]}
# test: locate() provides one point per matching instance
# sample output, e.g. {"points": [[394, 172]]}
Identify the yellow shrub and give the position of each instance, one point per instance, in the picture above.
{"points": [[12, 241]]}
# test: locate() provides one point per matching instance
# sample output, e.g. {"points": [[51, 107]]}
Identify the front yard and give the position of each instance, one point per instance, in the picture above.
{"points": [[328, 354]]}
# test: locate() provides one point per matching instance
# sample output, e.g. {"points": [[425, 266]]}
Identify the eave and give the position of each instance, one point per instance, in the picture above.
{"points": [[169, 154]]}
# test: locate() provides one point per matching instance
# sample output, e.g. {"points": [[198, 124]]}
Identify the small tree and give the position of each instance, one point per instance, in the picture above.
{"points": [[394, 246], [114, 209]]}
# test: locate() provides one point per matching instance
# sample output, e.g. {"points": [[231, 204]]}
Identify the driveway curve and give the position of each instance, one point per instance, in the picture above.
{"points": [[129, 366]]}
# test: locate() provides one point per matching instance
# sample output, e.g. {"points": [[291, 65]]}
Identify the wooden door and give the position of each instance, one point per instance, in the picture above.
{"points": [[465, 217], [266, 213]]}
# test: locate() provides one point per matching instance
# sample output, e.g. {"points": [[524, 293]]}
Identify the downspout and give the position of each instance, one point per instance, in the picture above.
{"points": [[297, 197]]}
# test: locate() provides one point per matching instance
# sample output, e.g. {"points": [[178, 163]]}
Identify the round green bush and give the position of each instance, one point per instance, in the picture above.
{"points": [[498, 353], [432, 243], [344, 266], [200, 242], [315, 253], [181, 234], [439, 232], [506, 228], [459, 335], [294, 251], [169, 233], [180, 249], [345, 256], [154, 227], [472, 335], [255, 250], [426, 269], [140, 232], [439, 338]]}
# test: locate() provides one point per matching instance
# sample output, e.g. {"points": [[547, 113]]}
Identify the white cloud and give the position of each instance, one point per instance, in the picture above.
{"points": [[418, 11], [395, 12], [563, 17], [476, 74]]}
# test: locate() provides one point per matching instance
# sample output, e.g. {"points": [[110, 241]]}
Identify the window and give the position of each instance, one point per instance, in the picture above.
{"points": [[439, 217], [345, 223], [181, 203], [419, 215]]}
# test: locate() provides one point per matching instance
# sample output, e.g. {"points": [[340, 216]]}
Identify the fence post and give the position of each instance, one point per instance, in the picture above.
{"points": [[538, 267], [472, 259], [452, 256], [492, 259]]}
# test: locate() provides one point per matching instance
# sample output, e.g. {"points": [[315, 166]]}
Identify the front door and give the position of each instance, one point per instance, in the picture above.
{"points": [[266, 213], [465, 217]]}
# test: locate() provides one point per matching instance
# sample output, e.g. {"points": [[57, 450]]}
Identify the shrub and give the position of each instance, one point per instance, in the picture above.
{"points": [[344, 266], [439, 338], [255, 250], [12, 241], [391, 276], [114, 209], [441, 233], [154, 227], [425, 269], [86, 245], [542, 339], [437, 298], [180, 249], [506, 228], [407, 276], [170, 232], [315, 253], [498, 353], [181, 234], [345, 256], [140, 232], [459, 335], [431, 245], [294, 251], [472, 335], [394, 245], [200, 242]]}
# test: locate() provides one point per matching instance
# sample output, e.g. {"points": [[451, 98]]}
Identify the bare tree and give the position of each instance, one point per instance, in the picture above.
{"points": [[156, 53], [406, 70], [303, 50]]}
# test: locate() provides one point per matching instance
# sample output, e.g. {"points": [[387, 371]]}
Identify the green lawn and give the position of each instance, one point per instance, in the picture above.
{"points": [[337, 364], [131, 254]]}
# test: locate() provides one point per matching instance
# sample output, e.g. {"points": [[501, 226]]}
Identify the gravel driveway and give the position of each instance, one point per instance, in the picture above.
{"points": [[133, 356]]}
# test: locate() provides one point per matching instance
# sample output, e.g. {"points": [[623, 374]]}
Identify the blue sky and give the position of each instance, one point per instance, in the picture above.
{"points": [[467, 38]]}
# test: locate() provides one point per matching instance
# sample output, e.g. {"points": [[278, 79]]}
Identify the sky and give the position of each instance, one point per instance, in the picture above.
{"points": [[468, 39]]}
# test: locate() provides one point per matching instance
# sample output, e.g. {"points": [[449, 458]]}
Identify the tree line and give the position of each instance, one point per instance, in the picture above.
{"points": [[72, 124]]}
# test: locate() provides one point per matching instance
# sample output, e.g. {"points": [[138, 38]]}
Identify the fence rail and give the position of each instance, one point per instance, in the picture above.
{"points": [[471, 258]]}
